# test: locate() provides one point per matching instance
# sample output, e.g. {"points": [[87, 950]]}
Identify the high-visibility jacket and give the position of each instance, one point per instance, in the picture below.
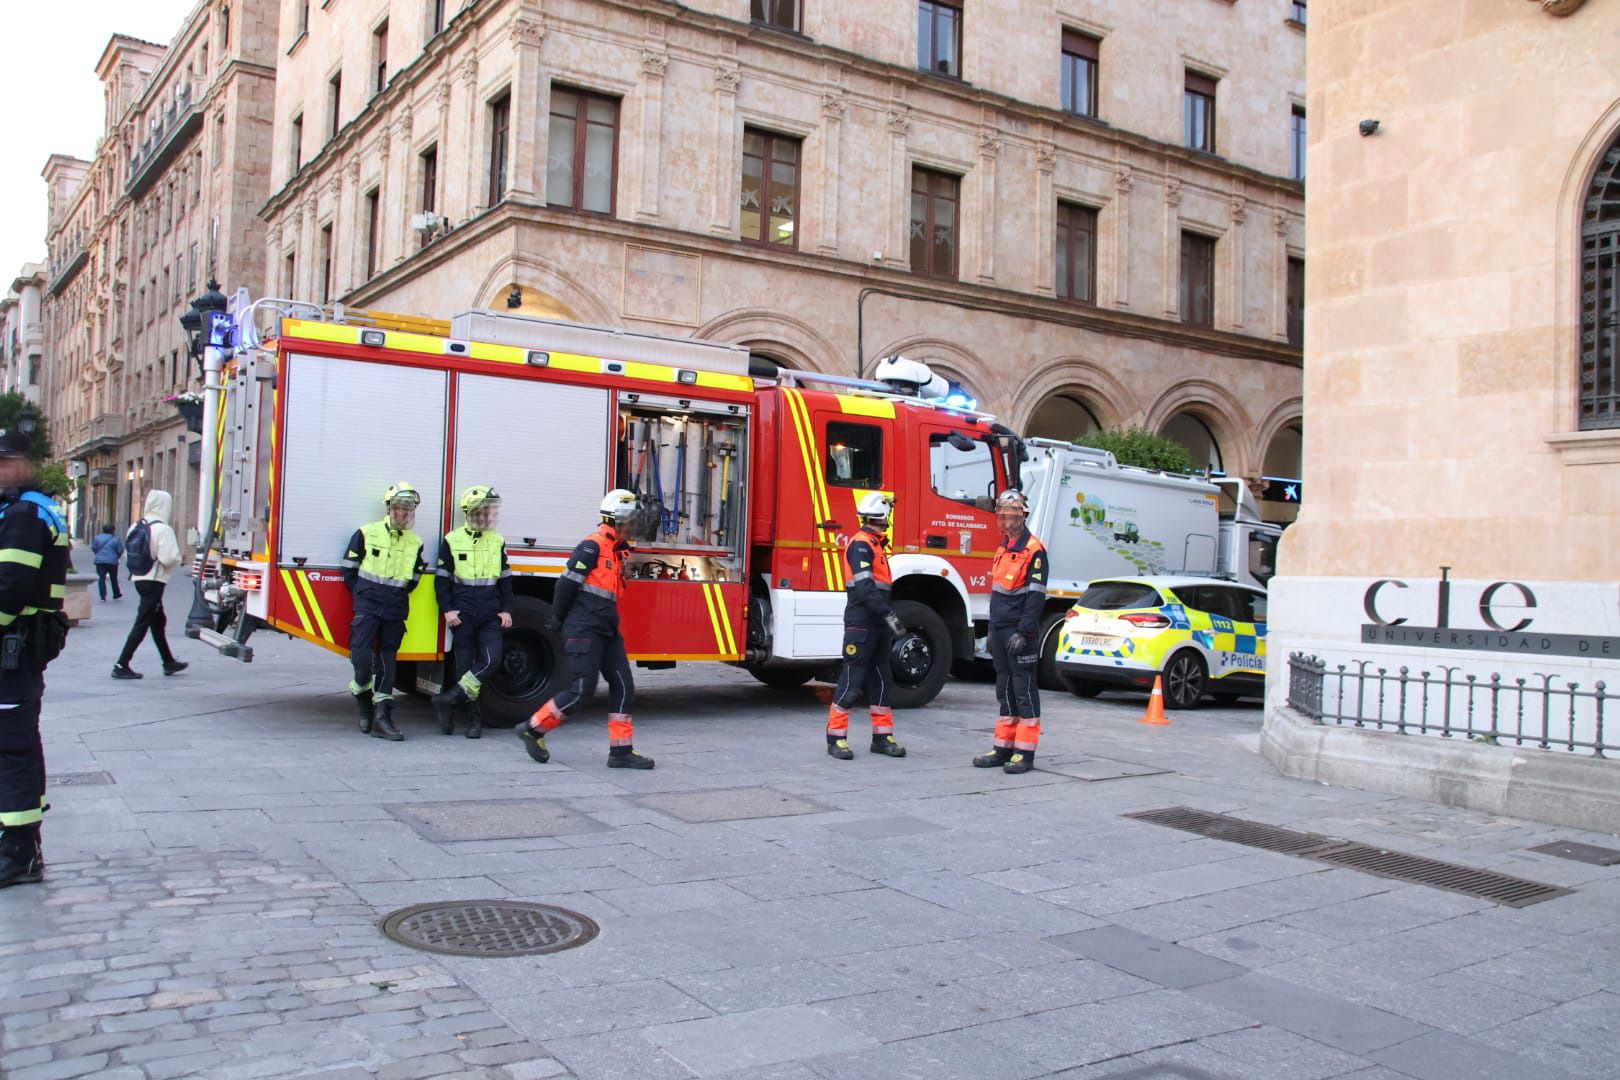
{"points": [[1018, 585], [587, 597], [472, 575], [33, 580], [381, 567], [870, 584]]}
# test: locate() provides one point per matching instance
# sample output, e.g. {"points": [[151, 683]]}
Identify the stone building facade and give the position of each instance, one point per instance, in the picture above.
{"points": [[1463, 385], [22, 333], [170, 199], [1004, 190]]}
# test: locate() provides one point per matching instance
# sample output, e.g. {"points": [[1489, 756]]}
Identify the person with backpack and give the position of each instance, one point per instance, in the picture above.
{"points": [[33, 580], [108, 549], [152, 552]]}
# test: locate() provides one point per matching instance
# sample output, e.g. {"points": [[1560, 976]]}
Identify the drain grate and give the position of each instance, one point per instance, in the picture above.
{"points": [[1503, 889], [1586, 853], [80, 779], [489, 928], [1255, 834]]}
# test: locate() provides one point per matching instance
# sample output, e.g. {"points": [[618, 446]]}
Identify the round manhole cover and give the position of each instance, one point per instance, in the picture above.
{"points": [[489, 928]]}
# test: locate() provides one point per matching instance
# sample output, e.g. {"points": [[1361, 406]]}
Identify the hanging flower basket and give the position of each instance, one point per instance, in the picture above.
{"points": [[190, 407]]}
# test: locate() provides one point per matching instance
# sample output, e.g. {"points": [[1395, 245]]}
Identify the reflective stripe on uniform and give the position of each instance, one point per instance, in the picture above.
{"points": [[378, 579], [476, 581], [597, 590], [574, 575], [16, 819], [864, 575], [23, 556]]}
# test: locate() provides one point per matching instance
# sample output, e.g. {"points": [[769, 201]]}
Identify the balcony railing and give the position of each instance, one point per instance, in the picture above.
{"points": [[177, 123], [1532, 711], [105, 431]]}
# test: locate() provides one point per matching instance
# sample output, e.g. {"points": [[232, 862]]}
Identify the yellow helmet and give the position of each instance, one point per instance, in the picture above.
{"points": [[403, 493], [479, 496]]}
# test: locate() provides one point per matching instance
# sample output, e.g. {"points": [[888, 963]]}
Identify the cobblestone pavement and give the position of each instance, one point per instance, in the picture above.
{"points": [[213, 910]]}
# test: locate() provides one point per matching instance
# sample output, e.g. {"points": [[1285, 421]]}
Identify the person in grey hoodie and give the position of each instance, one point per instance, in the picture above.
{"points": [[150, 586]]}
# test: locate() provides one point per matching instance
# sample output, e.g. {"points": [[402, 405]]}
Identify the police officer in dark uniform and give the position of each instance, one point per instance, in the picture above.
{"points": [[474, 587], [33, 585], [1017, 599], [586, 605], [382, 566], [870, 627]]}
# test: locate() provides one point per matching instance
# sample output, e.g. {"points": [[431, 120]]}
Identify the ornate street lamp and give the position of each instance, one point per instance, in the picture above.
{"points": [[199, 319]]}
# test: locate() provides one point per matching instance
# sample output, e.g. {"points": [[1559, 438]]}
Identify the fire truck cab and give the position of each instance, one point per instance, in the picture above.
{"points": [[748, 489]]}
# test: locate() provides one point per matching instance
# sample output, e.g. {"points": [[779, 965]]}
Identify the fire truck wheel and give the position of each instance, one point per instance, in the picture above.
{"points": [[784, 678], [921, 658], [531, 671], [1047, 673]]}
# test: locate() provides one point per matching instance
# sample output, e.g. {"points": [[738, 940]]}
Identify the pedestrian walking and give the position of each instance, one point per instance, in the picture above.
{"points": [[474, 587], [33, 582], [108, 550], [870, 628], [382, 566], [1017, 599], [153, 553], [586, 606]]}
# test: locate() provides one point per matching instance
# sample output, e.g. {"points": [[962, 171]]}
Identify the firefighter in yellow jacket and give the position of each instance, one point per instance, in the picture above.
{"points": [[474, 588], [381, 567]]}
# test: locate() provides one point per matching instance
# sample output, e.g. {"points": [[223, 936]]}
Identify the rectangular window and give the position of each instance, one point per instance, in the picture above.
{"points": [[296, 135], [219, 138], [963, 472], [1076, 274], [224, 29], [174, 370], [430, 179], [303, 17], [779, 14], [335, 103], [934, 201], [191, 274], [854, 455], [435, 16], [1198, 112], [372, 215], [1197, 279], [583, 150], [289, 274], [379, 55], [1079, 73], [179, 277], [326, 264], [939, 37], [1299, 12], [770, 188], [1296, 141], [500, 122], [1296, 303], [165, 297]]}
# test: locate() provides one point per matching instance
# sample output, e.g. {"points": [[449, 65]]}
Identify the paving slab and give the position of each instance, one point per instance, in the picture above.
{"points": [[1318, 1016], [758, 1037], [1147, 957], [730, 804]]}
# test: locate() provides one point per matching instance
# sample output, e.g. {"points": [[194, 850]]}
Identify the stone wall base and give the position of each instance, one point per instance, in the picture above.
{"points": [[1578, 791]]}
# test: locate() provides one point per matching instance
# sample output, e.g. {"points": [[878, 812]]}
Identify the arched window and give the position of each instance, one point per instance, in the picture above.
{"points": [[1064, 415], [1600, 296], [1191, 432]]}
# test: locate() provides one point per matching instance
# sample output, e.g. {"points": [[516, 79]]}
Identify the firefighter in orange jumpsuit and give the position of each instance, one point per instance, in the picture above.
{"points": [[1017, 599], [586, 605], [870, 627]]}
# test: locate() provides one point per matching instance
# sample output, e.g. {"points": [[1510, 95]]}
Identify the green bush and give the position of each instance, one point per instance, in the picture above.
{"points": [[11, 407], [1141, 447], [55, 481]]}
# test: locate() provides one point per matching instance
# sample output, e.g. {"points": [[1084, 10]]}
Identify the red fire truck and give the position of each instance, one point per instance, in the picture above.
{"points": [[748, 487]]}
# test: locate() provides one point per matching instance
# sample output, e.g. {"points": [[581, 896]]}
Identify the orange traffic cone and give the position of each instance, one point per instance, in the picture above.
{"points": [[1155, 709]]}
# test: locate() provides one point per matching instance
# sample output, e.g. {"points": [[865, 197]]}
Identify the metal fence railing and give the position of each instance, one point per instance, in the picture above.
{"points": [[1516, 711]]}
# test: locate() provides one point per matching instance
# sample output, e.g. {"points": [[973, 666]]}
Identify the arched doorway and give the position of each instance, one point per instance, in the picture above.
{"points": [[1191, 432], [1282, 469], [515, 299], [1065, 415]]}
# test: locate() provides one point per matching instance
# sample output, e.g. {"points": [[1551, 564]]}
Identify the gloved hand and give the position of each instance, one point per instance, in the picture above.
{"points": [[893, 622], [1016, 644]]}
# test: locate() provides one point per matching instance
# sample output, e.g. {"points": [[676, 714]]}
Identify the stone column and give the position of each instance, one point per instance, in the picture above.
{"points": [[1045, 219], [359, 233], [342, 216], [1121, 240], [989, 154], [723, 153], [272, 260], [653, 64], [477, 190], [1279, 278], [1236, 290], [899, 246], [1172, 248], [833, 106], [527, 121]]}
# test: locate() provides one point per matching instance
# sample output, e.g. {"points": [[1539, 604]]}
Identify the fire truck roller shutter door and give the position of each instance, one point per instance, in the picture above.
{"points": [[340, 448]]}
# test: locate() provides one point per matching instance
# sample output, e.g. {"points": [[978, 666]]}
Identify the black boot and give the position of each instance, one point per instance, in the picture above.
{"points": [[20, 860], [1021, 762], [382, 715], [996, 758], [444, 704], [625, 757], [838, 747], [885, 744], [475, 721], [534, 741], [362, 701]]}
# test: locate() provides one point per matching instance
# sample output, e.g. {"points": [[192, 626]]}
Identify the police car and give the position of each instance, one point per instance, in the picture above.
{"points": [[1202, 635]]}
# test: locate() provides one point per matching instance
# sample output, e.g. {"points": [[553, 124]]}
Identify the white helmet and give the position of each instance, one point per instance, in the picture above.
{"points": [[875, 508], [1014, 500], [619, 506]]}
